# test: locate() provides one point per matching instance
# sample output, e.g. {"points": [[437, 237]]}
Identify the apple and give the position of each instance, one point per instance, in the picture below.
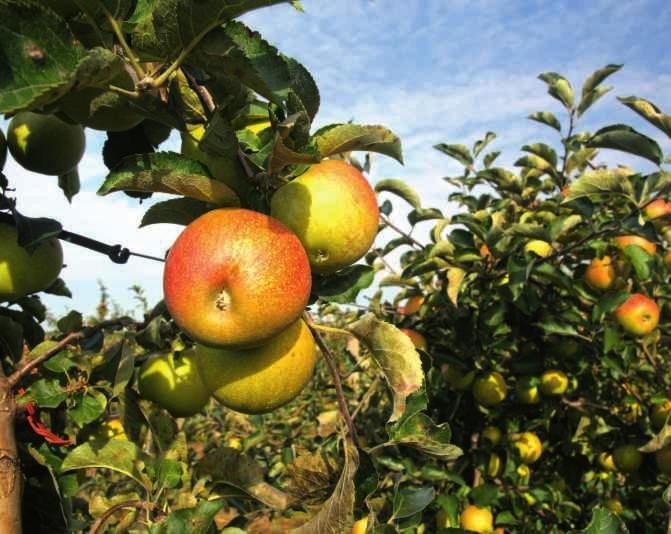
{"points": [[226, 170], [492, 434], [600, 274], [333, 210], [663, 460], [456, 378], [412, 305], [657, 208], [554, 382], [476, 519], [171, 380], [538, 247], [606, 461], [527, 390], [108, 429], [627, 458], [44, 143], [21, 272], [624, 241], [614, 505], [667, 260], [261, 379], [489, 389], [659, 413], [523, 471], [485, 252], [417, 339], [236, 278], [494, 465], [638, 315], [528, 446], [360, 526]]}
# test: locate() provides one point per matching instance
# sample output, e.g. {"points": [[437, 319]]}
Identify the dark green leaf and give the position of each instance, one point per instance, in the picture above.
{"points": [[424, 214], [345, 285], [72, 322], [46, 393], [69, 183], [545, 117], [626, 139], [459, 152], [340, 138], [181, 211], [594, 79], [198, 520], [410, 500], [87, 407], [11, 337], [604, 522], [649, 112], [641, 261], [400, 189], [420, 432]]}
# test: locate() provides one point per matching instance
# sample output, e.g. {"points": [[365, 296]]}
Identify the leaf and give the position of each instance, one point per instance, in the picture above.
{"points": [[336, 514], [198, 520], [47, 393], [626, 139], [303, 84], [420, 432], [169, 473], [640, 260], [455, 277], [118, 455], [594, 79], [564, 224], [400, 189], [11, 337], [167, 172], [69, 183], [649, 112], [33, 231], [344, 286], [559, 88], [490, 157], [604, 522], [479, 146], [545, 117], [459, 152], [339, 138], [658, 441], [552, 324], [88, 407], [543, 151], [601, 182], [411, 500], [396, 356], [124, 371], [591, 97], [72, 322], [424, 214], [175, 211]]}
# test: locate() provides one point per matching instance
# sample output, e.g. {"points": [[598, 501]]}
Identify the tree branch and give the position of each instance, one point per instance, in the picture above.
{"points": [[391, 225]]}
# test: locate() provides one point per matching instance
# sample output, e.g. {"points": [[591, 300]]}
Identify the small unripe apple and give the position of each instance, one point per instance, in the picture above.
{"points": [[526, 389], [21, 272], [528, 446], [627, 458], [333, 210], [659, 413], [476, 519], [172, 381], [554, 382], [492, 434], [539, 247], [638, 315], [417, 339], [624, 241], [489, 389], [663, 460], [236, 278], [260, 379], [600, 274]]}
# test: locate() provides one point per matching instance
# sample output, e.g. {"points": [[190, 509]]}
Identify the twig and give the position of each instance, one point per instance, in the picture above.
{"points": [[563, 176], [138, 505], [582, 402], [385, 262], [124, 44], [477, 474], [391, 225], [328, 357], [330, 329]]}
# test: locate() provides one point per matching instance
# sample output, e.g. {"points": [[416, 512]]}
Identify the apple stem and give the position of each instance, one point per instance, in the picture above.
{"points": [[328, 357]]}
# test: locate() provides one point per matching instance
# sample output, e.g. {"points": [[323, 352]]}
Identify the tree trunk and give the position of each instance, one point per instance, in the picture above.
{"points": [[10, 470]]}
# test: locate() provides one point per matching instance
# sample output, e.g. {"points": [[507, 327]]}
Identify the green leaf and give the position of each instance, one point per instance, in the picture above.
{"points": [[59, 288], [490, 157], [88, 407], [594, 79], [607, 304], [410, 500], [395, 355], [181, 211], [69, 183], [658, 441], [459, 152], [168, 172], [118, 455], [591, 97], [641, 261], [551, 324], [169, 473], [601, 182], [11, 337], [424, 214], [340, 138], [72, 322], [124, 371], [47, 393], [343, 286], [604, 522], [400, 189], [303, 84], [626, 139], [479, 146], [484, 495], [547, 118], [649, 112], [543, 151], [198, 520], [33, 231], [336, 515], [420, 432], [559, 88], [534, 231]]}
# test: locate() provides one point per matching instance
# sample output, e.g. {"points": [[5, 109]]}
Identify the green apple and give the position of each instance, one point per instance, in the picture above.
{"points": [[21, 272], [489, 389], [172, 381], [333, 210], [627, 458], [526, 389]]}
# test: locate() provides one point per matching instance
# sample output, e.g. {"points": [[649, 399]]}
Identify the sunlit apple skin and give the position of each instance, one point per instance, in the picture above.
{"points": [[261, 379], [22, 273], [554, 383], [476, 519], [626, 240], [600, 274], [173, 382], [360, 526], [417, 339], [528, 446], [656, 209], [638, 315], [526, 389], [489, 389], [333, 210], [236, 278], [539, 247], [412, 305]]}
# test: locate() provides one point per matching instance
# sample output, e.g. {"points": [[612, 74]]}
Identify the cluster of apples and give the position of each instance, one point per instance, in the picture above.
{"points": [[237, 281]]}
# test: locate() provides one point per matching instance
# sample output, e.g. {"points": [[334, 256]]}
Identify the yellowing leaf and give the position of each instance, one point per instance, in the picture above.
{"points": [[455, 277]]}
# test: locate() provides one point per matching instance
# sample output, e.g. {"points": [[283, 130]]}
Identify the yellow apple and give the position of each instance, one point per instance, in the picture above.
{"points": [[554, 383], [528, 446], [538, 247], [476, 519], [489, 389]]}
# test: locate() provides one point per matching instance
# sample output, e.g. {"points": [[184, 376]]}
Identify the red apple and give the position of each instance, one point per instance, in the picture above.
{"points": [[638, 315], [600, 273], [625, 240], [412, 305], [417, 339], [657, 208], [236, 278]]}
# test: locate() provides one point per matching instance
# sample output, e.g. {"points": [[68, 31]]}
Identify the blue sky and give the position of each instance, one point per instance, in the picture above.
{"points": [[432, 70]]}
